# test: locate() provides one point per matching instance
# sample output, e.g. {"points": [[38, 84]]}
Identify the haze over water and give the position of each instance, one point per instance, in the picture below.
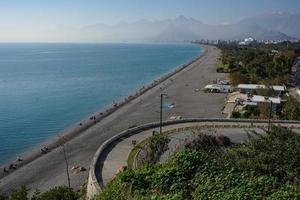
{"points": [[44, 88]]}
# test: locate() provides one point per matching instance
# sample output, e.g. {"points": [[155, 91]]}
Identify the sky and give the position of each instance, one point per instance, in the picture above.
{"points": [[21, 19]]}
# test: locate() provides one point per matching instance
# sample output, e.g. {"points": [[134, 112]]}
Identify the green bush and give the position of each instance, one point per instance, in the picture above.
{"points": [[155, 147], [276, 154], [290, 110], [57, 193], [236, 114], [228, 184], [208, 142]]}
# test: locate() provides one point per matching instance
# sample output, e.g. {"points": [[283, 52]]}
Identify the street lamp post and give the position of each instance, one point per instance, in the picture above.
{"points": [[62, 141], [161, 108], [270, 115]]}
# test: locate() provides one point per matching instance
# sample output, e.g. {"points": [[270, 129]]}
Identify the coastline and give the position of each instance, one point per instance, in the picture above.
{"points": [[79, 127], [49, 170]]}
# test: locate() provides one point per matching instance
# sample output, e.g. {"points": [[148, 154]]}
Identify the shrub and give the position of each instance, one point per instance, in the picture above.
{"points": [[276, 154], [236, 114], [57, 193], [155, 147], [208, 142], [16, 194]]}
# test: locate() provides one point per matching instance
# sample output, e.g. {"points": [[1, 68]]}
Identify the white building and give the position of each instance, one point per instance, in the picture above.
{"points": [[254, 88], [250, 88], [246, 41], [218, 88]]}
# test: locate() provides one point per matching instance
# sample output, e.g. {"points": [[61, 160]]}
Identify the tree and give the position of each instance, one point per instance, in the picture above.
{"points": [[291, 109]]}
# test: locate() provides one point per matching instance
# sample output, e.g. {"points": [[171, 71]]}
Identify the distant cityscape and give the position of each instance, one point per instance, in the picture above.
{"points": [[245, 41]]}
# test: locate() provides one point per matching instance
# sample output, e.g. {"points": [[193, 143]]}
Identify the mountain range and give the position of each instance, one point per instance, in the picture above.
{"points": [[272, 26]]}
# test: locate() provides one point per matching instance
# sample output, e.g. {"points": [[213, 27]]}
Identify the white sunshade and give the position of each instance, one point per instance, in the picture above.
{"points": [[258, 98], [279, 88], [212, 86], [251, 86]]}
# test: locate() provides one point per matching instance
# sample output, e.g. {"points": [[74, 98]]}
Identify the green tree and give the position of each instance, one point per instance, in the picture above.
{"points": [[291, 109]]}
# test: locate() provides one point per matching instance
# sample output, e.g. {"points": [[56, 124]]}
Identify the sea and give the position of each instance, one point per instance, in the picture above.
{"points": [[45, 88]]}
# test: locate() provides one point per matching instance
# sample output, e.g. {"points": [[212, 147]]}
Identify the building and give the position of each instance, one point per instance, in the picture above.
{"points": [[218, 88], [247, 41], [250, 88], [276, 101], [277, 90]]}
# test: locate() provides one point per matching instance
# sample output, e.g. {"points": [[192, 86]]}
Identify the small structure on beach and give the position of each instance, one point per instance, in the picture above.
{"points": [[217, 88], [238, 100], [276, 90], [250, 88], [279, 90], [276, 101]]}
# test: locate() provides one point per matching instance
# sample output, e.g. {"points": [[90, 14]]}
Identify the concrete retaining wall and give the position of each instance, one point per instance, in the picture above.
{"points": [[95, 183]]}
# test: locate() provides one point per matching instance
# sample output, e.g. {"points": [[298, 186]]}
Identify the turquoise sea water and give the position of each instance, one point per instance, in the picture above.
{"points": [[44, 88]]}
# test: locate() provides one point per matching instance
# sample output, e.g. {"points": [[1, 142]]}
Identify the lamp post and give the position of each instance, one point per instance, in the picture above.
{"points": [[161, 108], [62, 141], [270, 113]]}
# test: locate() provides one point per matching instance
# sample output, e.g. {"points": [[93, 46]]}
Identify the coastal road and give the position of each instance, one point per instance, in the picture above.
{"points": [[115, 156], [184, 90]]}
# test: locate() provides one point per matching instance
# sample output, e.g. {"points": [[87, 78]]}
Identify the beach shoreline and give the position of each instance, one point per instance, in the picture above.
{"points": [[79, 127], [184, 89]]}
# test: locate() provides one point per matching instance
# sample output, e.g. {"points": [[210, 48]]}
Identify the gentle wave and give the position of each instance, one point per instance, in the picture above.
{"points": [[44, 88]]}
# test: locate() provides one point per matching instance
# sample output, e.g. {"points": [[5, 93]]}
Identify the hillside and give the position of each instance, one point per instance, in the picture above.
{"points": [[273, 26]]}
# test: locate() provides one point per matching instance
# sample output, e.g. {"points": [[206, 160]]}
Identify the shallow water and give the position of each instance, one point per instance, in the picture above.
{"points": [[44, 88]]}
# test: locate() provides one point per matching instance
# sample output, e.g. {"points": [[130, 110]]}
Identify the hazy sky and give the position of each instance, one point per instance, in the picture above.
{"points": [[33, 17]]}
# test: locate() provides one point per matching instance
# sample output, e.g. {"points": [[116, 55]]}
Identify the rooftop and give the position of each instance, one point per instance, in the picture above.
{"points": [[251, 86], [258, 99], [279, 88]]}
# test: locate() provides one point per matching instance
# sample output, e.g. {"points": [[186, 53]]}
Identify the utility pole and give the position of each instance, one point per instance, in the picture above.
{"points": [[161, 108], [62, 139], [270, 115]]}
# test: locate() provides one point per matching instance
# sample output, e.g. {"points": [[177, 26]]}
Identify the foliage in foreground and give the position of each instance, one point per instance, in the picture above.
{"points": [[157, 144], [57, 193], [266, 167]]}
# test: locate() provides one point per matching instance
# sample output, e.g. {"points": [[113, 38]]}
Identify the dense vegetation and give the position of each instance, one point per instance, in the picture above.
{"points": [[258, 63], [57, 193], [155, 147], [266, 167]]}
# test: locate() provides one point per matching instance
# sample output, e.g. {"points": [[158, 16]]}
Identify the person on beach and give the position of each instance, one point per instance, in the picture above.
{"points": [[5, 170], [44, 150], [19, 159], [12, 166]]}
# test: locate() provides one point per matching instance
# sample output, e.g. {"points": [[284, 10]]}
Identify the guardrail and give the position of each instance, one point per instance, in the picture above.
{"points": [[95, 182]]}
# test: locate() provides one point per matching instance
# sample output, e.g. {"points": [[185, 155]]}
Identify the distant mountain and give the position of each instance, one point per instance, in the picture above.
{"points": [[274, 26], [283, 22]]}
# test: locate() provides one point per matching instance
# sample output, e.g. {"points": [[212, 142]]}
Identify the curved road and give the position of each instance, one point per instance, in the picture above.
{"points": [[115, 156]]}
